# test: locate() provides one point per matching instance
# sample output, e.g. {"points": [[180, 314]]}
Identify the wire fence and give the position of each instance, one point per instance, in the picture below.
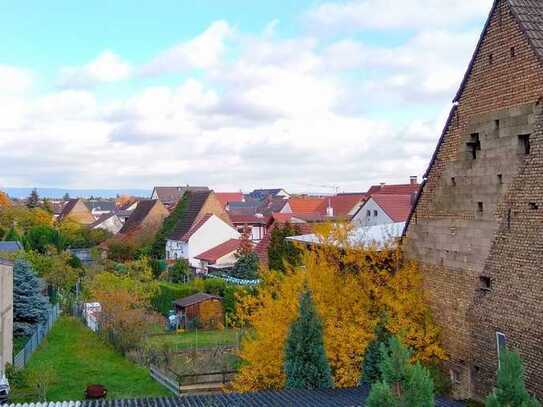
{"points": [[21, 359]]}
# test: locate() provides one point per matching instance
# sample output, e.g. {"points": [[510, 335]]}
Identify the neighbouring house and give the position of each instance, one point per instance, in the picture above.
{"points": [[169, 196], [75, 210], [261, 194], [10, 247], [396, 189], [227, 198], [201, 309], [381, 209], [376, 237], [206, 233], [477, 225], [147, 218], [278, 220], [342, 206], [219, 258], [6, 314], [305, 205], [111, 222], [255, 223], [101, 207]]}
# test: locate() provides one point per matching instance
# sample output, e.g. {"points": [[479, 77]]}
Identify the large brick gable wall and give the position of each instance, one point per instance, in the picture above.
{"points": [[454, 230]]}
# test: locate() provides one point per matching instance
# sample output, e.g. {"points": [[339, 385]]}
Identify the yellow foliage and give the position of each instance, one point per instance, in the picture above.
{"points": [[211, 314], [353, 287]]}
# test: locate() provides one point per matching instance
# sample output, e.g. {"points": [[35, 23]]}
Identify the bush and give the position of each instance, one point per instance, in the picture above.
{"points": [[167, 294]]}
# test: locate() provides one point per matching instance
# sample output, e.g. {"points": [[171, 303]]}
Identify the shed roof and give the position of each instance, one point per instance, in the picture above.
{"points": [[353, 397], [195, 299], [10, 246]]}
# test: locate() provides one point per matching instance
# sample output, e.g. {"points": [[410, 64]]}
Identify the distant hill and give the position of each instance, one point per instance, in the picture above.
{"points": [[77, 193]]}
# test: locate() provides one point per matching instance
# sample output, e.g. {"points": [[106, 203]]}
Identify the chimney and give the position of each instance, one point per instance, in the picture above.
{"points": [[413, 180], [382, 184]]}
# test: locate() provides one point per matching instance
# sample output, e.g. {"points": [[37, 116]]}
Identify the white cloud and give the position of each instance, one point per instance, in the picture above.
{"points": [[397, 14], [106, 68], [203, 52], [289, 112]]}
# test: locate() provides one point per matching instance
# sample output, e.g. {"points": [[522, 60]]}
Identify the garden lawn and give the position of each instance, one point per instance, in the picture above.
{"points": [[201, 339], [78, 358]]}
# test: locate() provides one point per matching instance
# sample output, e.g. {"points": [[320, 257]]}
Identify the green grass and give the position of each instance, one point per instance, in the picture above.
{"points": [[204, 339], [78, 358]]}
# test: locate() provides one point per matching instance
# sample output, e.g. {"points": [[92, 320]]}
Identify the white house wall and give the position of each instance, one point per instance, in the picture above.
{"points": [[211, 234], [362, 218]]}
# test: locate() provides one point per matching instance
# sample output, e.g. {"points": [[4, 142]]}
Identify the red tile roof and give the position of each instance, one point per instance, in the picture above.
{"points": [[397, 207], [215, 253], [305, 205], [225, 197], [243, 219], [342, 204], [399, 189]]}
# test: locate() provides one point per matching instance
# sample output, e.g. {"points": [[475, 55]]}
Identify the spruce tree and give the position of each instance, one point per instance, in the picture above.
{"points": [[246, 267], [281, 250], [510, 389], [371, 365], [403, 384], [381, 396], [306, 365], [29, 305]]}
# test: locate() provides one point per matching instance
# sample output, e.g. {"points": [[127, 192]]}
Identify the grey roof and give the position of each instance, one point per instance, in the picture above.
{"points": [[260, 194], [170, 195], [196, 200], [195, 299], [10, 246], [285, 398]]}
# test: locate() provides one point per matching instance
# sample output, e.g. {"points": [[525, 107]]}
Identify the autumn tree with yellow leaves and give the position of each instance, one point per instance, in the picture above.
{"points": [[353, 287]]}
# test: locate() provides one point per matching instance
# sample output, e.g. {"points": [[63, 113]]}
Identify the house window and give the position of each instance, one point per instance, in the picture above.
{"points": [[533, 206], [368, 213], [485, 283], [513, 52], [453, 181], [501, 343], [490, 59], [474, 145], [500, 179], [497, 124], [375, 213], [480, 207], [524, 142]]}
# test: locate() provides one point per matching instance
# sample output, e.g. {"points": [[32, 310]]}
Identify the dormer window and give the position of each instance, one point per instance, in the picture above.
{"points": [[490, 59], [474, 145]]}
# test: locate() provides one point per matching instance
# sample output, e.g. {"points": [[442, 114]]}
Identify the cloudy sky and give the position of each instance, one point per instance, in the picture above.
{"points": [[227, 93]]}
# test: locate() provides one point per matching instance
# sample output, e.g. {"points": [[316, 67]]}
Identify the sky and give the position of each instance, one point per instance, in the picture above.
{"points": [[233, 94]]}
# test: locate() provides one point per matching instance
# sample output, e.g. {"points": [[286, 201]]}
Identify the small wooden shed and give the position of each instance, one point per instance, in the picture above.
{"points": [[204, 309]]}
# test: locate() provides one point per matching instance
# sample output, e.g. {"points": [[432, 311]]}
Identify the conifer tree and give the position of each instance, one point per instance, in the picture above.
{"points": [[29, 305], [246, 266], [33, 200], [371, 366], [281, 250], [510, 389], [306, 365], [412, 385]]}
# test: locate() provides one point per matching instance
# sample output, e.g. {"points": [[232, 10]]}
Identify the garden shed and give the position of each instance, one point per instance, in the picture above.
{"points": [[200, 310]]}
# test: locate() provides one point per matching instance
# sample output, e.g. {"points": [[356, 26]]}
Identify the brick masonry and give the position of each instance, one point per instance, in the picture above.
{"points": [[483, 217]]}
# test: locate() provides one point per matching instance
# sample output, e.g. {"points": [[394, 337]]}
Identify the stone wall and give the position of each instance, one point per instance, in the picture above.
{"points": [[454, 231]]}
